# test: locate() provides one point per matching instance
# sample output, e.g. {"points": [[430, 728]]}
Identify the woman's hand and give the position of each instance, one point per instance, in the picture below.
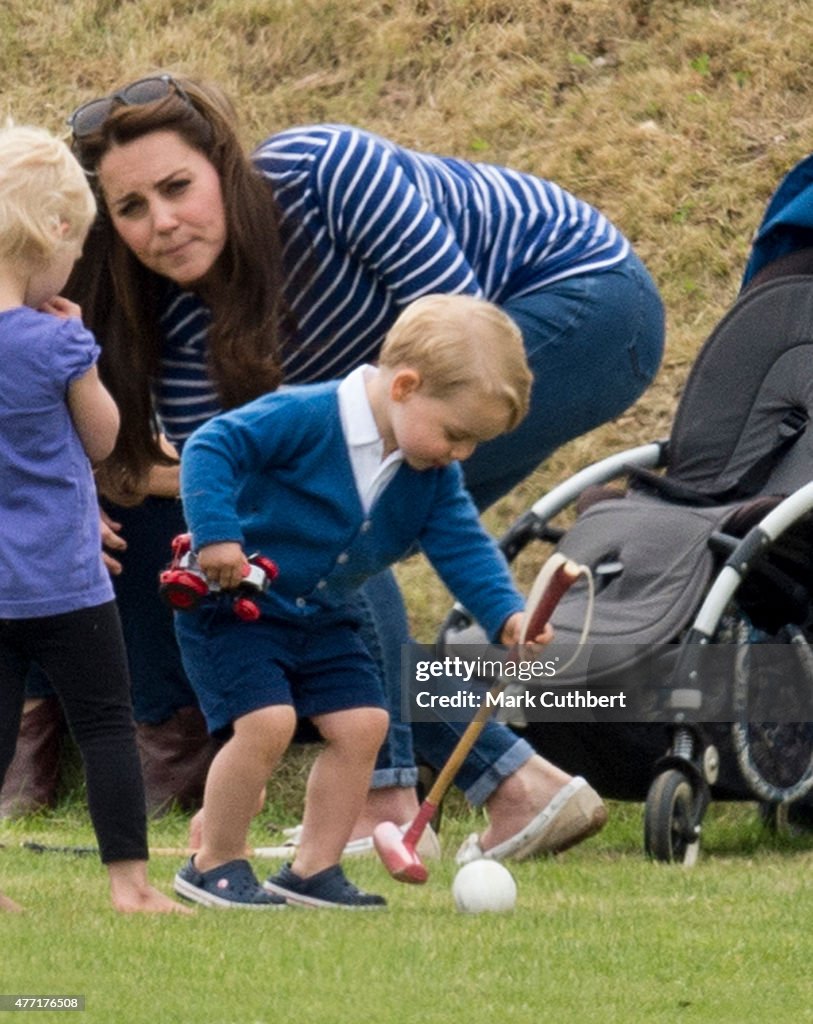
{"points": [[160, 481], [224, 564], [111, 541]]}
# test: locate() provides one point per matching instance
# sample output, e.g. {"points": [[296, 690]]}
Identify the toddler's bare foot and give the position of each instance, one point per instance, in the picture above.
{"points": [[131, 893], [147, 901]]}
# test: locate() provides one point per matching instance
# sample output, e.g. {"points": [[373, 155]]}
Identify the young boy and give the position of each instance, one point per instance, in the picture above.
{"points": [[56, 418], [335, 482]]}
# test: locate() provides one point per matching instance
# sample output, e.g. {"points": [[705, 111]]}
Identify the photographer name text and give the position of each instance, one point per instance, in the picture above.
{"points": [[542, 700]]}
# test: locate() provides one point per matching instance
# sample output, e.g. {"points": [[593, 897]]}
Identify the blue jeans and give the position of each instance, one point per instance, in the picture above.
{"points": [[496, 755], [594, 343]]}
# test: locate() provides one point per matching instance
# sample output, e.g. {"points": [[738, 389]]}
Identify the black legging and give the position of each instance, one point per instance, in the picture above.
{"points": [[82, 653]]}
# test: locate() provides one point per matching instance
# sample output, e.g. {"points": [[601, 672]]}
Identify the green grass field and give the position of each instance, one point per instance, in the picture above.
{"points": [[598, 935], [677, 118]]}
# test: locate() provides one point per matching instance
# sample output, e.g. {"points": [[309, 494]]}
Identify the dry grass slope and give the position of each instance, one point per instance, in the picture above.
{"points": [[676, 117]]}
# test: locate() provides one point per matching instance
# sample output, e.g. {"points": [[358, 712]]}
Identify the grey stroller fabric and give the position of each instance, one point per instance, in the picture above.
{"points": [[652, 566]]}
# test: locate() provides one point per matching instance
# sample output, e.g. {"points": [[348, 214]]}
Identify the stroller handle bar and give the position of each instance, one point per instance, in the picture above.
{"points": [[646, 456]]}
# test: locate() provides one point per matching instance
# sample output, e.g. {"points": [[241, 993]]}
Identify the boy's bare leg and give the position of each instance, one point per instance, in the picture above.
{"points": [[131, 892], [337, 785], [196, 823], [236, 777], [195, 837]]}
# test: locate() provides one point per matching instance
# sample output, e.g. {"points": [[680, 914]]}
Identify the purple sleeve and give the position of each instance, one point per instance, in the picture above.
{"points": [[75, 351]]}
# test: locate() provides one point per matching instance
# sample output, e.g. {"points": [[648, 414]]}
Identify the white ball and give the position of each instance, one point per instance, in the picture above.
{"points": [[484, 885]]}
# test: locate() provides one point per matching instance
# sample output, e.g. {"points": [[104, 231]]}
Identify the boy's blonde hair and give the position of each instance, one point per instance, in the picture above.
{"points": [[458, 342], [45, 200]]}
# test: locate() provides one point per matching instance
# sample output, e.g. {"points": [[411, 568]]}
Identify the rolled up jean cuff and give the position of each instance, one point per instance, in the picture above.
{"points": [[511, 761], [399, 778]]}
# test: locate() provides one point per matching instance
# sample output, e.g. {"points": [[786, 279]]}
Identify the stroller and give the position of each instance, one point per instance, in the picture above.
{"points": [[702, 561]]}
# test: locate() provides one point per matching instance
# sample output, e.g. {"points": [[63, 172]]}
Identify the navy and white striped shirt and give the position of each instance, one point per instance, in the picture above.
{"points": [[378, 225]]}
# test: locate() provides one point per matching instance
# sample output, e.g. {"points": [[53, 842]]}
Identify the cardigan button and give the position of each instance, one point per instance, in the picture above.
{"points": [[321, 584], [365, 526], [343, 557], [301, 602]]}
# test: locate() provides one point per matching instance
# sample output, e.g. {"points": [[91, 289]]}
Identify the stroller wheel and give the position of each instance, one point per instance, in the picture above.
{"points": [[671, 826]]}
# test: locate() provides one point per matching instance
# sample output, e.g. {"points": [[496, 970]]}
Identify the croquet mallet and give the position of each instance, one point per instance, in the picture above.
{"points": [[397, 849]]}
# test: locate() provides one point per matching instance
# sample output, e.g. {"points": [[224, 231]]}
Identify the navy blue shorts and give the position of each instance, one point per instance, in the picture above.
{"points": [[237, 667]]}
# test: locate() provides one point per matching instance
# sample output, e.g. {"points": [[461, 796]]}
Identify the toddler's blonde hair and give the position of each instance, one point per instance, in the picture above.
{"points": [[458, 342], [45, 200]]}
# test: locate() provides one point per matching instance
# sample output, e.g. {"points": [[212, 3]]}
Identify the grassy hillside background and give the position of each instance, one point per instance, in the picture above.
{"points": [[676, 118]]}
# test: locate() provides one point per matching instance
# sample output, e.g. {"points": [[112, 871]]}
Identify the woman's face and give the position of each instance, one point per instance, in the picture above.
{"points": [[166, 203]]}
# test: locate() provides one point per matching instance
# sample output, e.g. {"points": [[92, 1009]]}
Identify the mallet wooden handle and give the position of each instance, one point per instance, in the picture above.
{"points": [[447, 773], [562, 574]]}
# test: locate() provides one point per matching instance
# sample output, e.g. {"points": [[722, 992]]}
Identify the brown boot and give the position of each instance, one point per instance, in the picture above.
{"points": [[33, 775], [175, 757]]}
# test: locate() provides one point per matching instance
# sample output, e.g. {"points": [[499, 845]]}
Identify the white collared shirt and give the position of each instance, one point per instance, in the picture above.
{"points": [[371, 471]]}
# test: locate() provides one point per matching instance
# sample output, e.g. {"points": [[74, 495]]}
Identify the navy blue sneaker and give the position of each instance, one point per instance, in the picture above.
{"points": [[231, 886], [328, 888]]}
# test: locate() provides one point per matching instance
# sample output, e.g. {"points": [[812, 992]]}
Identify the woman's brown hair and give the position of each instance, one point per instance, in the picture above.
{"points": [[122, 300]]}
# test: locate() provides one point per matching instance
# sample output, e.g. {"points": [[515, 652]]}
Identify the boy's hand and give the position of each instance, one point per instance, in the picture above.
{"points": [[224, 564], [512, 631]]}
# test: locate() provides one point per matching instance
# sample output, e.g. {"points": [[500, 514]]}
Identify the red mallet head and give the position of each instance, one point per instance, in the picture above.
{"points": [[397, 849]]}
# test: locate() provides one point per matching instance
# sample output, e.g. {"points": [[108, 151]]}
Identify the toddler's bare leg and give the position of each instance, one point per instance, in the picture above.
{"points": [[236, 777], [337, 785]]}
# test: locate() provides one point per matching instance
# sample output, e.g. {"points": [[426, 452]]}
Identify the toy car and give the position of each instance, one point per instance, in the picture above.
{"points": [[183, 585]]}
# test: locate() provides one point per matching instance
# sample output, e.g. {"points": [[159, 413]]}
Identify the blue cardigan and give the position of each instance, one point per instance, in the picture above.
{"points": [[275, 476]]}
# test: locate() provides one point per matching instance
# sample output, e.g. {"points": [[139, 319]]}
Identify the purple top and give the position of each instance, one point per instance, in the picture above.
{"points": [[50, 545]]}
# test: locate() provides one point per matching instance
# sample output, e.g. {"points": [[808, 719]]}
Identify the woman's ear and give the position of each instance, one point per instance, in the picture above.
{"points": [[404, 383]]}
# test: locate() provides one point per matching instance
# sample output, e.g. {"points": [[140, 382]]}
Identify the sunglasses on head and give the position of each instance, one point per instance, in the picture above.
{"points": [[92, 115]]}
